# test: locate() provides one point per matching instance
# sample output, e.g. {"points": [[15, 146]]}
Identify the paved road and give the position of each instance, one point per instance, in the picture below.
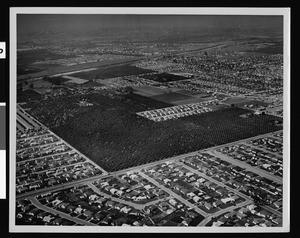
{"points": [[62, 214]]}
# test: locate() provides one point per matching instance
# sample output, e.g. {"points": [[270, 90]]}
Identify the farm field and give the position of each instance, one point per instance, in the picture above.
{"points": [[110, 133], [164, 77], [111, 72], [170, 97]]}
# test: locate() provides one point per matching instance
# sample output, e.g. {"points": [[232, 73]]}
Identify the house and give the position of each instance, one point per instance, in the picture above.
{"points": [[70, 208], [173, 202], [191, 194], [230, 214], [78, 210], [100, 200], [119, 192], [196, 198], [251, 206], [98, 216], [217, 203], [48, 218], [125, 209], [277, 220], [56, 202], [63, 205], [93, 197], [243, 210], [240, 215], [113, 190], [110, 204], [223, 219], [136, 223], [148, 186], [217, 223], [278, 204], [88, 213], [207, 205], [263, 213], [189, 174], [57, 221], [192, 214], [136, 212], [208, 184], [187, 221], [227, 200], [119, 206], [221, 191]]}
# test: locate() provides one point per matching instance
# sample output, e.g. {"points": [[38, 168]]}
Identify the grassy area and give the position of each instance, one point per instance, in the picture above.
{"points": [[112, 135], [112, 72]]}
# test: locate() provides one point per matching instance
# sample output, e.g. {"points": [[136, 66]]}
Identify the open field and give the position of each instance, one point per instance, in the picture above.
{"points": [[114, 137], [112, 72], [271, 49]]}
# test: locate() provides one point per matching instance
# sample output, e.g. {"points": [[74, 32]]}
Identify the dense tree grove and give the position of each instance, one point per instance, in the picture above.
{"points": [[112, 135]]}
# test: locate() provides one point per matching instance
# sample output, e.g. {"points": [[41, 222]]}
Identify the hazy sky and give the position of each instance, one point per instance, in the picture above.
{"points": [[35, 22]]}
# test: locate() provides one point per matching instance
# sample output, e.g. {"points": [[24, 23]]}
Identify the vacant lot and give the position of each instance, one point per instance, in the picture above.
{"points": [[112, 135], [112, 72]]}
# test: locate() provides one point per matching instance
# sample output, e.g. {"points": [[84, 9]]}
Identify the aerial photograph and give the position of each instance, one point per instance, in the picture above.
{"points": [[136, 120]]}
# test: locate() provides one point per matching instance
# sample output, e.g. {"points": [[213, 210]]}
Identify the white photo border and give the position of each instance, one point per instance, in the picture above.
{"points": [[285, 12]]}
